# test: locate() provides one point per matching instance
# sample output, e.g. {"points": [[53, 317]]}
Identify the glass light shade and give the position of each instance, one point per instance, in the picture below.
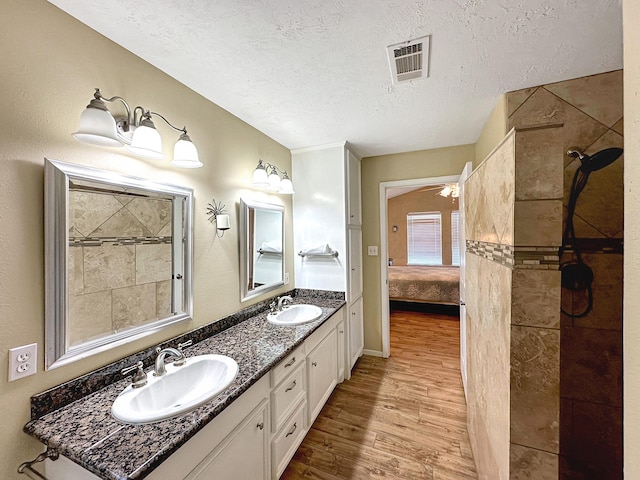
{"points": [[274, 181], [146, 142], [185, 153], [286, 186], [260, 178], [97, 126]]}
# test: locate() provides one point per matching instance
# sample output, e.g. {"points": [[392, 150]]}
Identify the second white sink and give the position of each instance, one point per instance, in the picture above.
{"points": [[178, 391], [295, 315]]}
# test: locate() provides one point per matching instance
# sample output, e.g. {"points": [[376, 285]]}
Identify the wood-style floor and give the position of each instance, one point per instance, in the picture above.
{"points": [[398, 418]]}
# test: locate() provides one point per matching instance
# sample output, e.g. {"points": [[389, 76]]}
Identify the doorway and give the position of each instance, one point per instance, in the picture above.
{"points": [[385, 189]]}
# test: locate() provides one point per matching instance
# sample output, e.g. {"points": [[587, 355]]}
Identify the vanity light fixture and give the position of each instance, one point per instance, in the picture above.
{"points": [[269, 176], [217, 213], [136, 130]]}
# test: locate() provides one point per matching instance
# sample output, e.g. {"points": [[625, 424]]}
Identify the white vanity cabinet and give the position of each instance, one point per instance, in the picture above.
{"points": [[327, 210], [322, 373], [257, 435], [233, 445]]}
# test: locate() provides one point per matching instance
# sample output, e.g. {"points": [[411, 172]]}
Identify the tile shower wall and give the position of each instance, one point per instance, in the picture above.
{"points": [[489, 224], [120, 260], [585, 113]]}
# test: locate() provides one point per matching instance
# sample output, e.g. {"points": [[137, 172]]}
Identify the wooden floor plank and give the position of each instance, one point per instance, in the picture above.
{"points": [[398, 418]]}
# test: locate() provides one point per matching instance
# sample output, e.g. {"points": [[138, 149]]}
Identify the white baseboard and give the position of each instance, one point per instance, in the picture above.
{"points": [[372, 353]]}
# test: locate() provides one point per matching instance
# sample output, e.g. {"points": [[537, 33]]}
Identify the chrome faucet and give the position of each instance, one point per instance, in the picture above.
{"points": [[284, 301], [160, 368]]}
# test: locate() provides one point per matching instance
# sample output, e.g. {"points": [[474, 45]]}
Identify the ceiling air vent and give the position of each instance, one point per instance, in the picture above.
{"points": [[409, 60]]}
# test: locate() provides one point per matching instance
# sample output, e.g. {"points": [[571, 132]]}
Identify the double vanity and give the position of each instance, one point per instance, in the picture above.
{"points": [[249, 429]]}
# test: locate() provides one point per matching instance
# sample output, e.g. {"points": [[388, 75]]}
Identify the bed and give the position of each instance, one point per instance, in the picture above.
{"points": [[435, 284]]}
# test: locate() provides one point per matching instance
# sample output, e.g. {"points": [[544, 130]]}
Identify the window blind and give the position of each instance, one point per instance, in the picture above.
{"points": [[424, 238], [455, 237]]}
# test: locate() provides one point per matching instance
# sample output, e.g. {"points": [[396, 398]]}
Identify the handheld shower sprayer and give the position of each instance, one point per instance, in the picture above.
{"points": [[576, 274]]}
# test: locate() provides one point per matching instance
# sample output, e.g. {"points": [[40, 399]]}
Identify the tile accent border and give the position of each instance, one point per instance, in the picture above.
{"points": [[536, 258], [99, 241], [501, 254]]}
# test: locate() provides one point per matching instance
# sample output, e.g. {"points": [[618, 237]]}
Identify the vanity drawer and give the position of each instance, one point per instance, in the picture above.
{"points": [[287, 396], [287, 441], [287, 365]]}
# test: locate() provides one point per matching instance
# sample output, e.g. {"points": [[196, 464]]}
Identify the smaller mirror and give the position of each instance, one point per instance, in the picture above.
{"points": [[261, 247]]}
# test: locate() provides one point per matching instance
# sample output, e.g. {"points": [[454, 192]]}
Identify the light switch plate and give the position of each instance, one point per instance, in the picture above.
{"points": [[286, 278], [372, 250], [23, 361]]}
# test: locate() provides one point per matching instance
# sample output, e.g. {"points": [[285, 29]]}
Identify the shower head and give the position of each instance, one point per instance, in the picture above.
{"points": [[597, 161]]}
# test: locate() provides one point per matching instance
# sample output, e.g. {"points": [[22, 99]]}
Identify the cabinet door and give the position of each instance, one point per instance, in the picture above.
{"points": [[356, 332], [341, 337], [321, 373], [353, 189], [243, 454], [355, 264]]}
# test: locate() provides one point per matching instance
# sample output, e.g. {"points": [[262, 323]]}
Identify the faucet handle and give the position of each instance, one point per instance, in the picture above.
{"points": [[139, 378], [272, 307], [179, 362]]}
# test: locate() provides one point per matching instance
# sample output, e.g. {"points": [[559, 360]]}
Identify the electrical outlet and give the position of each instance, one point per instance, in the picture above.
{"points": [[372, 250], [23, 361], [286, 278]]}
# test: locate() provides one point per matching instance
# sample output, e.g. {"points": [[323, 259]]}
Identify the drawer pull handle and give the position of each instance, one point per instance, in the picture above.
{"points": [[295, 425], [293, 360], [315, 364], [341, 331], [260, 425], [293, 385]]}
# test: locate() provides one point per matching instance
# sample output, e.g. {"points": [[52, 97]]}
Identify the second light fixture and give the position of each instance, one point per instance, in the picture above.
{"points": [[268, 176]]}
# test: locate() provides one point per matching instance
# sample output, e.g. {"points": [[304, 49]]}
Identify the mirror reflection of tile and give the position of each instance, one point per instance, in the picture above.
{"points": [[119, 263]]}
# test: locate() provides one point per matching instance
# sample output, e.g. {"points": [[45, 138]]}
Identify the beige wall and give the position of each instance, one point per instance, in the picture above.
{"points": [[493, 131], [386, 168], [50, 66], [631, 10], [427, 200]]}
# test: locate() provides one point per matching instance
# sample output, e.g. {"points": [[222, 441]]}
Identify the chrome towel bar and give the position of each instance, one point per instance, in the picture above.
{"points": [[26, 467]]}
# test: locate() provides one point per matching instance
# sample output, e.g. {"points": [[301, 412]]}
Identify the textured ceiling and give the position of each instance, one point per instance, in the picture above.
{"points": [[313, 72]]}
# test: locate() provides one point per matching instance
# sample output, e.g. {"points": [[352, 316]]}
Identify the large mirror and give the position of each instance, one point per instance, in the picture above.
{"points": [[118, 259], [261, 247]]}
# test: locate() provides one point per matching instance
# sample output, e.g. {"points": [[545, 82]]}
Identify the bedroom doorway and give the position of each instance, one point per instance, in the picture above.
{"points": [[418, 229]]}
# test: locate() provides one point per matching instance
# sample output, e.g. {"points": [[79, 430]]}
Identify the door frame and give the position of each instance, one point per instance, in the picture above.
{"points": [[384, 247]]}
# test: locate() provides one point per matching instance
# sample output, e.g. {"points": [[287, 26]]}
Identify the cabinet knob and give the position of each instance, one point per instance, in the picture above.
{"points": [[295, 425], [260, 425], [315, 364], [341, 331]]}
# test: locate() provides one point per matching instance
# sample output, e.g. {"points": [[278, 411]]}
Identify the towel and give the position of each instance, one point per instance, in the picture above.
{"points": [[267, 247], [317, 250]]}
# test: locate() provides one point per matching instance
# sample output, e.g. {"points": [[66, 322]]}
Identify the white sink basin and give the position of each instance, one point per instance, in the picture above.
{"points": [[295, 315], [179, 391]]}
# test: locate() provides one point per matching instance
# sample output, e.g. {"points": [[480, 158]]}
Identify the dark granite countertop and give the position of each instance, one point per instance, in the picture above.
{"points": [[85, 432]]}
